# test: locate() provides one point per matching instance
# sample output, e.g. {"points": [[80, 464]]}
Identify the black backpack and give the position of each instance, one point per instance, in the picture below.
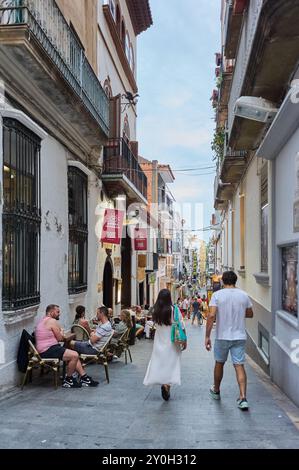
{"points": [[22, 358]]}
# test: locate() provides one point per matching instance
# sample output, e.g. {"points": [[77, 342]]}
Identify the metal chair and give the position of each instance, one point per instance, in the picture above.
{"points": [[100, 358], [36, 361], [80, 332]]}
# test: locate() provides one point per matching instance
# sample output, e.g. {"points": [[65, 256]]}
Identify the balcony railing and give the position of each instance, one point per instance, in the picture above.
{"points": [[120, 160], [46, 23]]}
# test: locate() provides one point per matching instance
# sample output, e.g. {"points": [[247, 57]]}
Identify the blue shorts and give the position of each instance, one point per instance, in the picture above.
{"points": [[236, 348]]}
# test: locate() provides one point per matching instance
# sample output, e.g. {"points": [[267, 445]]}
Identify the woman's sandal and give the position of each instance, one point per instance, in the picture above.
{"points": [[165, 393]]}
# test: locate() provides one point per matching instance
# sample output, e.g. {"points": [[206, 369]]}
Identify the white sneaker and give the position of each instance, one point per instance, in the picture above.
{"points": [[215, 395]]}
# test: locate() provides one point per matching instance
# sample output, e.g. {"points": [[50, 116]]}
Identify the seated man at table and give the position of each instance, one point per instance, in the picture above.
{"points": [[97, 338], [49, 334]]}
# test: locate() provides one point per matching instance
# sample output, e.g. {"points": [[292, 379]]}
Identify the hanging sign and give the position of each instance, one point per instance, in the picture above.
{"points": [[140, 239], [112, 227]]}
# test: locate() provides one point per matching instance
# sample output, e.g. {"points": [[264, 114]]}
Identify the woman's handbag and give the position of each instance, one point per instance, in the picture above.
{"points": [[178, 334]]}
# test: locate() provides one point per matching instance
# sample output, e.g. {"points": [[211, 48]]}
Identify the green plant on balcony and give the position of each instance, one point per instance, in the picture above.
{"points": [[218, 144], [219, 81]]}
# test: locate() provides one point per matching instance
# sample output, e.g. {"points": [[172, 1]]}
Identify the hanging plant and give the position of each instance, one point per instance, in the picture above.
{"points": [[218, 144]]}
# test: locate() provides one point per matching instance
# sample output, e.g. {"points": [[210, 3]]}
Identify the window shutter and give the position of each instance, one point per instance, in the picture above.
{"points": [[264, 186], [134, 147], [115, 112]]}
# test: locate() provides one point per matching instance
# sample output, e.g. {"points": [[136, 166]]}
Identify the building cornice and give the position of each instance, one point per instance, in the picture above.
{"points": [[140, 13]]}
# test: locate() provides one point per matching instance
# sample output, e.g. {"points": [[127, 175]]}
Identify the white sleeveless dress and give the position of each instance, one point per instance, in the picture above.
{"points": [[165, 363]]}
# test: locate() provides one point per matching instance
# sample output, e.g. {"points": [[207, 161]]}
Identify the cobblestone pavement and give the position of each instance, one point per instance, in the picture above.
{"points": [[126, 415]]}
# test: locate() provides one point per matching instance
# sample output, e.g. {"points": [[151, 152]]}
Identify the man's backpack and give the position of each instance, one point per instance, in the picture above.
{"points": [[22, 358]]}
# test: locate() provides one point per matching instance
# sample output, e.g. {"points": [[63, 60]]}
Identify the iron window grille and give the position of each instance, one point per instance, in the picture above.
{"points": [[78, 230], [21, 217]]}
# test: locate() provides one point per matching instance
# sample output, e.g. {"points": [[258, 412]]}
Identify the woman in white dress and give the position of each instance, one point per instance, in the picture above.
{"points": [[165, 364]]}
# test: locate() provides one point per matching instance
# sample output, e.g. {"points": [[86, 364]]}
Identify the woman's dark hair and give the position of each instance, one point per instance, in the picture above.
{"points": [[229, 278], [80, 311], [163, 308]]}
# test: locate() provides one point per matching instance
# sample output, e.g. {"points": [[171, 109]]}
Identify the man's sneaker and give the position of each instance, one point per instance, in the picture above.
{"points": [[215, 395], [69, 382], [243, 404], [87, 381]]}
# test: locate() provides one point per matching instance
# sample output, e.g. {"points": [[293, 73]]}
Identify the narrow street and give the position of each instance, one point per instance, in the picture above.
{"points": [[126, 415]]}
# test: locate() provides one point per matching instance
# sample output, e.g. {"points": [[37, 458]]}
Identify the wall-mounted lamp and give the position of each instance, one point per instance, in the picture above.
{"points": [[131, 100], [256, 109]]}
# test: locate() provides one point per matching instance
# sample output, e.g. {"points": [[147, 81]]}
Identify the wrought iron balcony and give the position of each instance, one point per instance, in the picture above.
{"points": [[122, 172], [37, 36], [229, 175]]}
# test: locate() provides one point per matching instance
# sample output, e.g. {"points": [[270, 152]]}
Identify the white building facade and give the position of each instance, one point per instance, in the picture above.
{"points": [[56, 120]]}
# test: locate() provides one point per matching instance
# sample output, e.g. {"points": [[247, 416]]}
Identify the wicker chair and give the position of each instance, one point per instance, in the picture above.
{"points": [[100, 358], [36, 361], [80, 332], [122, 345]]}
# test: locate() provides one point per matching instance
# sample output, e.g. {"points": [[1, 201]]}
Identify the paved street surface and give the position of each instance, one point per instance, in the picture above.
{"points": [[125, 414]]}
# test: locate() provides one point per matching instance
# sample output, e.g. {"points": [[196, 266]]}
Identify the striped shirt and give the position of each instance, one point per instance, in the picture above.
{"points": [[103, 331]]}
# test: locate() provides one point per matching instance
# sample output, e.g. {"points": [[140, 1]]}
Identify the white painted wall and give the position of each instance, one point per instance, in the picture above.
{"points": [[260, 294], [54, 252]]}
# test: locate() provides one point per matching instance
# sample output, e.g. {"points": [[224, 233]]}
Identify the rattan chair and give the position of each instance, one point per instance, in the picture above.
{"points": [[100, 358], [122, 345], [36, 361], [80, 332]]}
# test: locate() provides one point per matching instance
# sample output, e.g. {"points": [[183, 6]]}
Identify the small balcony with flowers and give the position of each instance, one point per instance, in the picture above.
{"points": [[223, 74]]}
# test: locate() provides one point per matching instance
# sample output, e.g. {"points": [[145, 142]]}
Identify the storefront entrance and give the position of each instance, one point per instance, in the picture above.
{"points": [[108, 284]]}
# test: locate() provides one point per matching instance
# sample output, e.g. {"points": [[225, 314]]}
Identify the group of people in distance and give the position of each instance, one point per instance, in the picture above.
{"points": [[195, 307]]}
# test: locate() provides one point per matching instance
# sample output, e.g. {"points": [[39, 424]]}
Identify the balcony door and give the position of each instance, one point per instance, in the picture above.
{"points": [[126, 271], [115, 117], [108, 284]]}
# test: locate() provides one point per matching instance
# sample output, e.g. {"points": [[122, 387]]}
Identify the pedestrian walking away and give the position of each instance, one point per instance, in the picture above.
{"points": [[231, 306], [196, 313], [164, 367]]}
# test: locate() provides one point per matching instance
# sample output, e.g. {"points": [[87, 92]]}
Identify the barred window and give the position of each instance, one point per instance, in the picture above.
{"points": [[21, 216], [78, 230]]}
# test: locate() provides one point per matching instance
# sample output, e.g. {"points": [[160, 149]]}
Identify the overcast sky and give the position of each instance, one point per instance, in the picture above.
{"points": [[176, 70]]}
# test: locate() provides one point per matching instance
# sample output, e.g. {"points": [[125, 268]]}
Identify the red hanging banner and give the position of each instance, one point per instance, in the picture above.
{"points": [[140, 239], [112, 227]]}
